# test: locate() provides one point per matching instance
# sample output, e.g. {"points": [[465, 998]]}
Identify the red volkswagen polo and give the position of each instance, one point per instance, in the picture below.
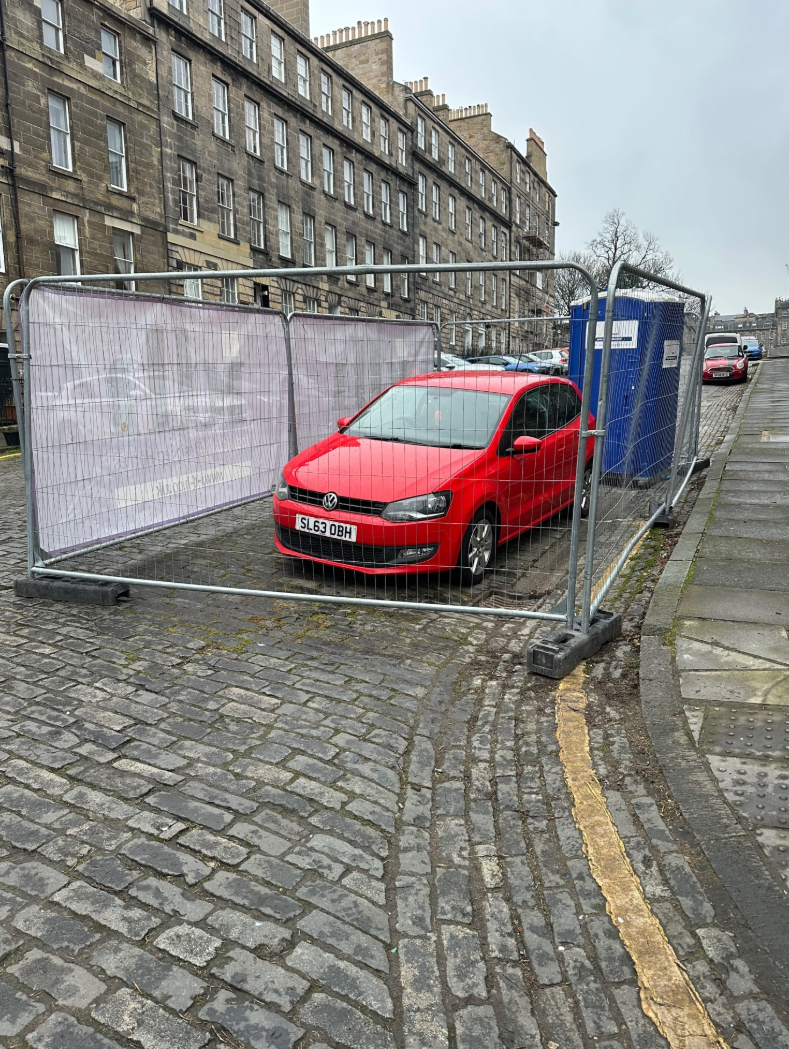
{"points": [[434, 474]]}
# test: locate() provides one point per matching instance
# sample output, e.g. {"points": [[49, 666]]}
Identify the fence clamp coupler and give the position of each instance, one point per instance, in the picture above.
{"points": [[592, 433]]}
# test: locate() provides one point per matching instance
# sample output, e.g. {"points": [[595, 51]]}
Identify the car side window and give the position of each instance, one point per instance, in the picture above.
{"points": [[569, 404], [537, 410]]}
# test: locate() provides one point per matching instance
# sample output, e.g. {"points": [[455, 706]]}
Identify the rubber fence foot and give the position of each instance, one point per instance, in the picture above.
{"points": [[560, 652], [75, 591]]}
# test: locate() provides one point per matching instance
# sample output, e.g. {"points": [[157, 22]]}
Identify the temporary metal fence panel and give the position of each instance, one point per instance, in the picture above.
{"points": [[341, 363], [155, 428], [646, 381], [147, 412]]}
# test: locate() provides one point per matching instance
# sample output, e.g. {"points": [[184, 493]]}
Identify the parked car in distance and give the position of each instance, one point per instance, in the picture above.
{"points": [[435, 474], [752, 347], [726, 362], [510, 363], [449, 362], [556, 359], [534, 364], [722, 338]]}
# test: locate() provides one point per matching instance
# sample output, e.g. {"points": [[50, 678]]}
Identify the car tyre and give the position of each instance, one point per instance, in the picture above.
{"points": [[478, 548], [586, 491]]}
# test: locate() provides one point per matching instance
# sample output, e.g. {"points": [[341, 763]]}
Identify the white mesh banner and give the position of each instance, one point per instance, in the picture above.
{"points": [[342, 363], [148, 411]]}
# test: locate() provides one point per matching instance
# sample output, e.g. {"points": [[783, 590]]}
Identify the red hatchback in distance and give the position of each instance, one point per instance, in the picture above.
{"points": [[434, 474]]}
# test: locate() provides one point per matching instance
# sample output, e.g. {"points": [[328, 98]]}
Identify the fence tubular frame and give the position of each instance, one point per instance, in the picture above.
{"points": [[21, 384], [589, 605]]}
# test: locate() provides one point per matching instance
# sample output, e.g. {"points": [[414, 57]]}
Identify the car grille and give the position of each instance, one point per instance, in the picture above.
{"points": [[352, 506], [326, 549]]}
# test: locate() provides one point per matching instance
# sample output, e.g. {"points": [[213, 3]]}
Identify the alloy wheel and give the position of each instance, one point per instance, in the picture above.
{"points": [[480, 546]]}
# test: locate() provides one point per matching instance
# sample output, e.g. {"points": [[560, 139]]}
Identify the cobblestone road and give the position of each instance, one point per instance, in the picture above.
{"points": [[237, 822]]}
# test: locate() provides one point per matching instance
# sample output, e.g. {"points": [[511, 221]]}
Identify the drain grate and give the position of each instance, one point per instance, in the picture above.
{"points": [[749, 731]]}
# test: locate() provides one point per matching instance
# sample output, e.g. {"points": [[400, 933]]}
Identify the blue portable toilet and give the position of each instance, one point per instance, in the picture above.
{"points": [[643, 381]]}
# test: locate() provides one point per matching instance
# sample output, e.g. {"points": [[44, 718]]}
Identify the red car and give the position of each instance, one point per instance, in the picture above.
{"points": [[725, 362], [434, 474]]}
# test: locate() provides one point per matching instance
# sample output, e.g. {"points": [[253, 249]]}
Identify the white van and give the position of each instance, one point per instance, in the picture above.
{"points": [[723, 338]]}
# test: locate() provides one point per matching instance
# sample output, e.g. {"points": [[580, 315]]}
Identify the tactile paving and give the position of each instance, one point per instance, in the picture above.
{"points": [[757, 789], [750, 731]]}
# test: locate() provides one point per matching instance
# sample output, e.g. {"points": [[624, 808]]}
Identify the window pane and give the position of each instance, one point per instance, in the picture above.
{"points": [[117, 154], [52, 23], [182, 86], [59, 133], [216, 18], [252, 126], [249, 36]]}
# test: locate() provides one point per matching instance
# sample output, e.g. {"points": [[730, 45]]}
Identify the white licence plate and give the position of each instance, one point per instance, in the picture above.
{"points": [[721, 375], [320, 526]]}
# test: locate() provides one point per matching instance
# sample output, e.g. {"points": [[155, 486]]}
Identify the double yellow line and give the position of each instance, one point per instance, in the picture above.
{"points": [[667, 995]]}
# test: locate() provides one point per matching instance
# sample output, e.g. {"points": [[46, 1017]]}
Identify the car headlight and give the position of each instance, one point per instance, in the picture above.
{"points": [[420, 508], [282, 491]]}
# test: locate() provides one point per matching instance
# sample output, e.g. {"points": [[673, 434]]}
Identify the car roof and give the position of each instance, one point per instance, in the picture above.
{"points": [[490, 382]]}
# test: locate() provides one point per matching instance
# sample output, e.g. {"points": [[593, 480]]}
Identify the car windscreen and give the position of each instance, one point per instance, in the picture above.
{"points": [[441, 416], [725, 350], [722, 340]]}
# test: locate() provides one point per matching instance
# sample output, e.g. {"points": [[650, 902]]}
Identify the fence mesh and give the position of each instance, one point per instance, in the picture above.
{"points": [[164, 432], [651, 418]]}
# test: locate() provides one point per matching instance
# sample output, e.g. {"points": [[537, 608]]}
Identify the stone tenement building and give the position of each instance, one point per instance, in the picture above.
{"points": [[217, 134], [763, 326]]}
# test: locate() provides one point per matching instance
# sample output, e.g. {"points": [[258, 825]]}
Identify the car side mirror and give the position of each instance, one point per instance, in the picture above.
{"points": [[526, 445], [344, 421]]}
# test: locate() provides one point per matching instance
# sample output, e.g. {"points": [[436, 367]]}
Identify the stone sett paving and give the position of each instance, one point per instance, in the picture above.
{"points": [[230, 822]]}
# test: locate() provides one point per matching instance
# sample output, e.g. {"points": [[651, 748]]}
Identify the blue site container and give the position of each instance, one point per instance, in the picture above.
{"points": [[643, 382]]}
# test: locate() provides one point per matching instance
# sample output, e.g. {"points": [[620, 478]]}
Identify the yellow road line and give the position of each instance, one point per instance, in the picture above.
{"points": [[667, 995]]}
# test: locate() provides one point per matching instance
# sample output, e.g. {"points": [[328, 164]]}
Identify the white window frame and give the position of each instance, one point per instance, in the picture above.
{"points": [[305, 157], [252, 126], [330, 245], [386, 260], [494, 240], [420, 132], [283, 230], [228, 290], [503, 293], [422, 195], [482, 287], [452, 212], [349, 181], [280, 144], [249, 35], [257, 219], [469, 177], [369, 260], [308, 239], [326, 90], [422, 250], [124, 262], [434, 143], [453, 277], [436, 194], [71, 244], [367, 122], [494, 192], [111, 58], [187, 190], [451, 157], [328, 170], [52, 25], [119, 155], [193, 287], [60, 133], [182, 85], [278, 57], [216, 18], [351, 255], [469, 224], [402, 211], [482, 183], [347, 108], [483, 233], [220, 97], [386, 203], [402, 145], [384, 133], [437, 261], [367, 193], [226, 210], [303, 75]]}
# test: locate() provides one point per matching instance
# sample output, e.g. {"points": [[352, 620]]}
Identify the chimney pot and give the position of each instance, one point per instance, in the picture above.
{"points": [[425, 83], [379, 25], [386, 25], [334, 36], [353, 32], [359, 28]]}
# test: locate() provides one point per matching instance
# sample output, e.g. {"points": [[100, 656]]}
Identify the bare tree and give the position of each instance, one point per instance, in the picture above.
{"points": [[618, 240], [570, 285]]}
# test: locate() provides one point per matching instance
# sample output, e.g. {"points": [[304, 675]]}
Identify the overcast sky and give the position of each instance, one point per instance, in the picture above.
{"points": [[695, 146]]}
